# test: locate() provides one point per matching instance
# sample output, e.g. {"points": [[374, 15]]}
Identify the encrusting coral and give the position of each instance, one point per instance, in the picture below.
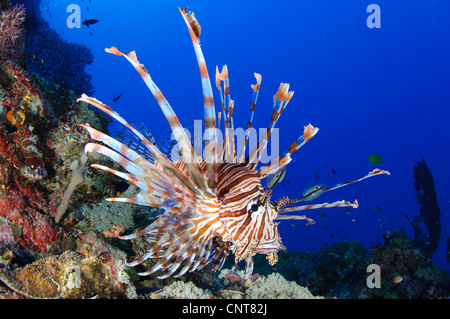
{"points": [[69, 275]]}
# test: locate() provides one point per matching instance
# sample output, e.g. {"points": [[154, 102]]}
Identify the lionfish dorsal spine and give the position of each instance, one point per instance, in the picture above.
{"points": [[281, 99], [283, 159], [255, 88], [211, 156], [184, 144]]}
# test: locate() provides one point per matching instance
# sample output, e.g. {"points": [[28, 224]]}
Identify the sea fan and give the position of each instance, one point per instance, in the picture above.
{"points": [[10, 27]]}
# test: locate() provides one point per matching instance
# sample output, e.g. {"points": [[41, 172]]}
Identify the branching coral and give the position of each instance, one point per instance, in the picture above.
{"points": [[10, 28]]}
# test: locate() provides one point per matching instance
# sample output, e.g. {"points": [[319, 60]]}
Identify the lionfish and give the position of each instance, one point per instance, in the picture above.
{"points": [[212, 205]]}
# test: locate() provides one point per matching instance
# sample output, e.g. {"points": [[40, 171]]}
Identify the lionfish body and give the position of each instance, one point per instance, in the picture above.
{"points": [[214, 205]]}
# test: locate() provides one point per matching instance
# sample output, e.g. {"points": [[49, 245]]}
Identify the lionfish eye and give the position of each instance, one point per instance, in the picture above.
{"points": [[254, 207]]}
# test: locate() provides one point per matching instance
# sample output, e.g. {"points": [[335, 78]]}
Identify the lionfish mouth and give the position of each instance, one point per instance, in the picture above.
{"points": [[213, 205]]}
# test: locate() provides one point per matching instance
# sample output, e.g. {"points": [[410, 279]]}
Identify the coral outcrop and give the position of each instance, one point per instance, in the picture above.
{"points": [[49, 55]]}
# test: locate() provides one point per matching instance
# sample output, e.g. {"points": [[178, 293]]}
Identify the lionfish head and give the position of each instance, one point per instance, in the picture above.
{"points": [[246, 213]]}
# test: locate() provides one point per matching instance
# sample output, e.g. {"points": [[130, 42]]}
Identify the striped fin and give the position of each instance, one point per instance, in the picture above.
{"points": [[282, 160], [129, 139], [168, 167], [227, 105], [280, 101], [291, 217], [118, 146], [341, 203], [155, 184], [183, 141], [375, 172], [222, 146], [208, 101], [255, 88]]}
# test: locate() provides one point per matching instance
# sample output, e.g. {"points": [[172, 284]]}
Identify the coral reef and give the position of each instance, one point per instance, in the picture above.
{"points": [[274, 286], [69, 275], [181, 290], [341, 270], [406, 272]]}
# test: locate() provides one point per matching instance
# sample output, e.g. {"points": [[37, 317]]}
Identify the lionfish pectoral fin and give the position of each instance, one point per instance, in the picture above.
{"points": [[248, 267], [375, 172], [167, 165], [341, 203], [292, 217]]}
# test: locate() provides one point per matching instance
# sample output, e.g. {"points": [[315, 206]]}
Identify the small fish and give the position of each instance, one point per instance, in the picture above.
{"points": [[117, 97], [354, 219], [375, 159], [315, 190], [347, 212], [323, 216], [35, 174], [88, 22], [316, 174], [333, 171], [378, 209], [274, 179], [397, 279], [293, 225]]}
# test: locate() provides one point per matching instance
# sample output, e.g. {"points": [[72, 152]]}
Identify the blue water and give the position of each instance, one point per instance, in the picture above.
{"points": [[369, 90]]}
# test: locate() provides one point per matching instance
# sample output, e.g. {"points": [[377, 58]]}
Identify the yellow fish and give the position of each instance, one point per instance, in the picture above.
{"points": [[397, 279]]}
